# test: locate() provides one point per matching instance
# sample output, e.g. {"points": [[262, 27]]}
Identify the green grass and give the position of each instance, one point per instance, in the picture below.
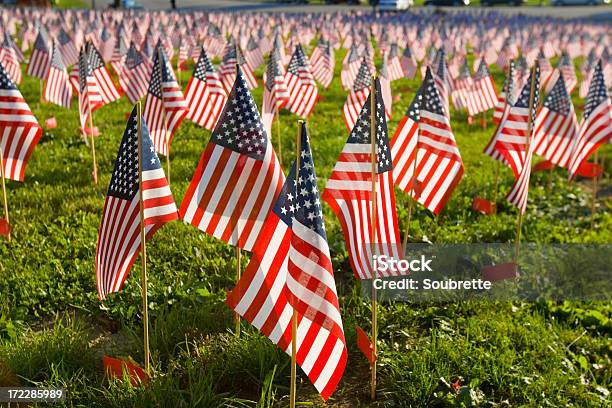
{"points": [[54, 331]]}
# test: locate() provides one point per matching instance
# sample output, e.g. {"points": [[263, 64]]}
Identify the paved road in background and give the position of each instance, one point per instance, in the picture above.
{"points": [[598, 12]]}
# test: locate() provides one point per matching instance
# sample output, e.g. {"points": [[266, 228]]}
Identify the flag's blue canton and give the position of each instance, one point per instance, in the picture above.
{"points": [[230, 54], [483, 71], [384, 69], [63, 37], [124, 181], [464, 71], [240, 127], [251, 45], [441, 63], [214, 30], [41, 42], [273, 70], [301, 201], [509, 83], [558, 99], [297, 60], [415, 106], [564, 61], [147, 49], [597, 91], [105, 35], [203, 66], [156, 77], [56, 59], [353, 54], [407, 53], [364, 77], [84, 69], [431, 98], [5, 81], [95, 60], [361, 131], [133, 57]]}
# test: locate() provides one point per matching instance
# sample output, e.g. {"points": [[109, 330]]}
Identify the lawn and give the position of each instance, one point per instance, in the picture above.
{"points": [[54, 331]]}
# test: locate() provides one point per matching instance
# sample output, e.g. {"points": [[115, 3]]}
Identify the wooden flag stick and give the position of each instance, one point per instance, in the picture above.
{"points": [[593, 197], [93, 147], [529, 124], [5, 198], [373, 237], [40, 88], [143, 252], [483, 120], [238, 275], [293, 391]]}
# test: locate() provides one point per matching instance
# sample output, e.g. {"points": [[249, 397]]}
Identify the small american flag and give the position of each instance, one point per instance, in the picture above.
{"points": [[253, 54], [393, 62], [90, 98], [349, 191], [596, 125], [506, 96], [108, 89], [58, 89], [275, 91], [227, 69], [20, 129], [408, 63], [511, 137], [70, 54], [119, 239], [566, 68], [484, 94], [134, 75], [292, 244], [357, 97], [462, 94], [165, 107], [9, 60], [424, 138], [303, 92], [323, 67], [119, 52], [556, 126], [238, 178], [40, 60], [350, 67], [205, 95]]}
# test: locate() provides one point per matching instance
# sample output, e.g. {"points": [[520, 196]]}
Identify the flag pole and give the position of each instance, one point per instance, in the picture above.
{"points": [[143, 252], [293, 391], [238, 275], [40, 89], [161, 67], [373, 237], [5, 198], [93, 147], [529, 125]]}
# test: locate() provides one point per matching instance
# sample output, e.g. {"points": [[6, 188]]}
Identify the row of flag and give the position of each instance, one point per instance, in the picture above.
{"points": [[239, 192]]}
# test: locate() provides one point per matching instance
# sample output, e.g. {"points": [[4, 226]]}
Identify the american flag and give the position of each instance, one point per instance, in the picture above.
{"points": [[90, 98], [276, 94], [108, 89], [70, 54], [426, 160], [394, 64], [443, 80], [232, 57], [106, 45], [138, 180], [205, 95], [134, 75], [253, 54], [596, 124], [357, 97], [58, 89], [9, 60], [40, 60], [545, 68], [238, 178], [484, 93], [119, 52], [183, 56], [565, 67], [556, 126], [506, 96], [513, 135], [165, 107], [462, 94], [323, 67], [350, 67], [20, 129], [385, 86], [349, 191], [292, 244], [303, 92], [409, 63]]}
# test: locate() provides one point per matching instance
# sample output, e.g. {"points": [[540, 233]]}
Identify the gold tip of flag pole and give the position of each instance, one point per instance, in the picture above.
{"points": [[373, 236], [143, 252], [293, 385]]}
